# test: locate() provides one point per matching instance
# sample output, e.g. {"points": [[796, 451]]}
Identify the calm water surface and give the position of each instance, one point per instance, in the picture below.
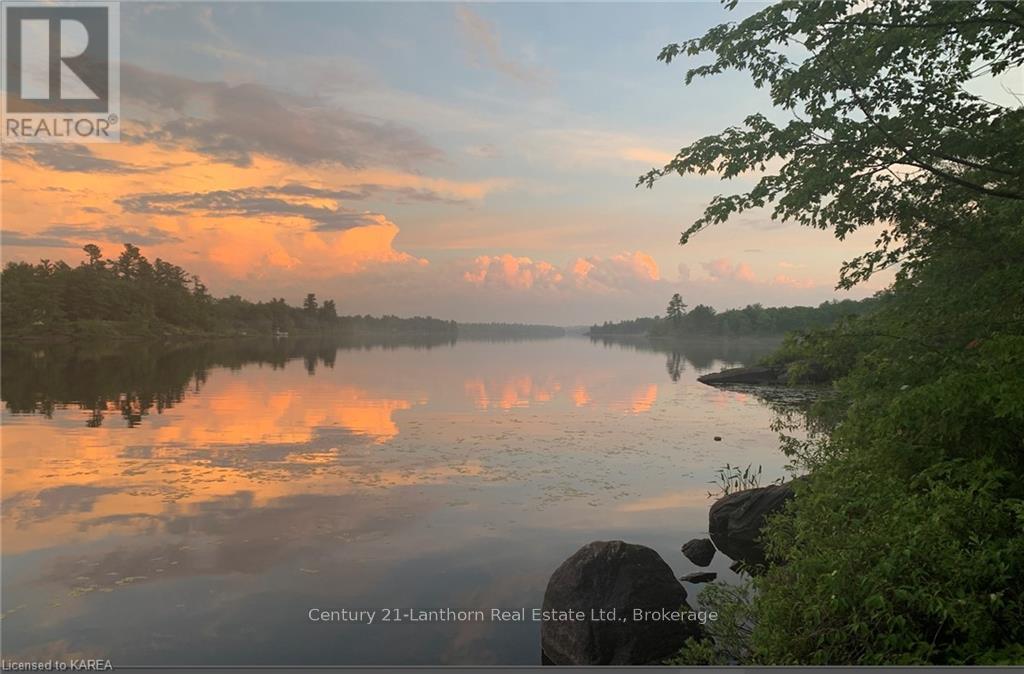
{"points": [[190, 505]]}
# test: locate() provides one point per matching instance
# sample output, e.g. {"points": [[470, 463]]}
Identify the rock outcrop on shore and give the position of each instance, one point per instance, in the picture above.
{"points": [[746, 375], [613, 578], [620, 577], [802, 374], [735, 521]]}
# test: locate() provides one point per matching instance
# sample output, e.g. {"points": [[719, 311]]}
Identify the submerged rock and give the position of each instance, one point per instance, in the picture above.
{"points": [[620, 577], [735, 521], [699, 577], [745, 375], [700, 551]]}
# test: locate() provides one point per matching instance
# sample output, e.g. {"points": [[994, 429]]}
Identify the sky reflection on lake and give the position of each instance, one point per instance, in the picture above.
{"points": [[190, 505]]}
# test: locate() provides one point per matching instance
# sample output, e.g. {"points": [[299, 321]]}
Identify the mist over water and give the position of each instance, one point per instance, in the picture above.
{"points": [[190, 504]]}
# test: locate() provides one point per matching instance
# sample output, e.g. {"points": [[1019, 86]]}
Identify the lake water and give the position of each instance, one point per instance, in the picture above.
{"points": [[191, 504]]}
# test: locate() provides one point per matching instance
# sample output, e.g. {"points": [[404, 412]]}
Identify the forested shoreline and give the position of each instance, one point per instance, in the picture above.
{"points": [[129, 296], [751, 320]]}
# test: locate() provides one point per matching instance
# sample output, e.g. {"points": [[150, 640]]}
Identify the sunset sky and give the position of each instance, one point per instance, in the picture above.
{"points": [[474, 162]]}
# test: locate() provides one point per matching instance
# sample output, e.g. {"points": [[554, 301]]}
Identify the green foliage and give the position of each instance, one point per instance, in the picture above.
{"points": [[883, 129], [726, 640], [131, 297], [631, 328], [929, 573], [729, 479], [909, 533], [676, 309], [905, 541]]}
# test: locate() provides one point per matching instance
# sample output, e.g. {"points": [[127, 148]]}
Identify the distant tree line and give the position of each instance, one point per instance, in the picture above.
{"points": [[131, 296], [635, 327], [751, 320], [509, 331]]}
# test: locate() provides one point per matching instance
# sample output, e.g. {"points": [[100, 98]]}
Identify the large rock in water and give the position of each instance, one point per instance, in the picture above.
{"points": [[700, 551], [699, 577], [621, 576], [735, 521]]}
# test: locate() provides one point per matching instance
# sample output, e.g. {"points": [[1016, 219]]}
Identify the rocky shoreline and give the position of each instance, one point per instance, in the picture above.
{"points": [[628, 579], [759, 375], [809, 373]]}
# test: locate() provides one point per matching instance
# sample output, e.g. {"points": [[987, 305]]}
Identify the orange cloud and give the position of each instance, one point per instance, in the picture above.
{"points": [[616, 273], [723, 269], [512, 272], [581, 268], [218, 219]]}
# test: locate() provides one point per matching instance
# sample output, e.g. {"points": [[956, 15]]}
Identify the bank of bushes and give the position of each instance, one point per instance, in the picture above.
{"points": [[905, 542]]}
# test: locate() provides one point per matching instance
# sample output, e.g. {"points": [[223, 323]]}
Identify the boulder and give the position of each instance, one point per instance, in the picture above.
{"points": [[613, 575], [699, 577], [735, 521], [700, 551], [745, 375]]}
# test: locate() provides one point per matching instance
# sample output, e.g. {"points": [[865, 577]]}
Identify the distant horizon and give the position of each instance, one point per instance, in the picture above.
{"points": [[567, 326], [491, 181]]}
